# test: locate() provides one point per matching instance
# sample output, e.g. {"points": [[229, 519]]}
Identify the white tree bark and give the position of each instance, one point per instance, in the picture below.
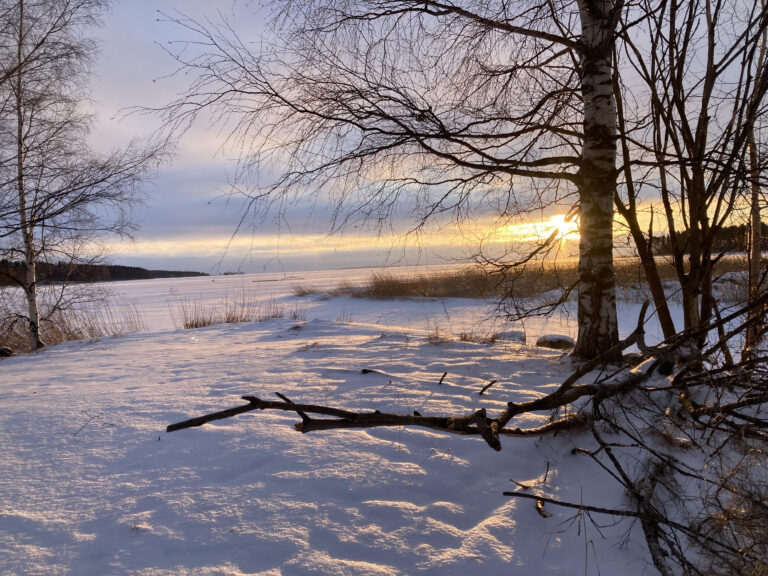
{"points": [[27, 227], [598, 326]]}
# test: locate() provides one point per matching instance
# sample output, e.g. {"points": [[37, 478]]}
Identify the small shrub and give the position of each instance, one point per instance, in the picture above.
{"points": [[189, 314], [476, 338], [438, 336], [346, 288], [95, 320], [13, 335], [271, 309], [298, 313], [308, 347]]}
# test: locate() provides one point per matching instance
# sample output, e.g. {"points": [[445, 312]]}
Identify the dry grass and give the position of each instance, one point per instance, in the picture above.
{"points": [[459, 283], [477, 338], [438, 336], [190, 313], [92, 320], [533, 280], [456, 284], [12, 336], [301, 291]]}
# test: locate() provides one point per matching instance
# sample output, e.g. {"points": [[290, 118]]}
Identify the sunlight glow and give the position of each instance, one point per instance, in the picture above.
{"points": [[268, 245], [450, 242], [540, 231]]}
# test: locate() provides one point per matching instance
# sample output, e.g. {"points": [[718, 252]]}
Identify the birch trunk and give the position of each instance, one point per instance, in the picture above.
{"points": [[27, 226], [598, 326]]}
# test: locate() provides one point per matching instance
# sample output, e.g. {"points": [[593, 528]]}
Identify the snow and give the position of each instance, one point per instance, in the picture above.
{"points": [[91, 484]]}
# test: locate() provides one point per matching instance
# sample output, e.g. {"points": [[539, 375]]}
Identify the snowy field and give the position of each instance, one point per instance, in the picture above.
{"points": [[91, 484]]}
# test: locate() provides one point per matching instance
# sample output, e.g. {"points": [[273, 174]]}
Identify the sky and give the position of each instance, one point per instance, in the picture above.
{"points": [[189, 220], [185, 222]]}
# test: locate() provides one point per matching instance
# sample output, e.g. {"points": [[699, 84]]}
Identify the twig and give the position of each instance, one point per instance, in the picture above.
{"points": [[625, 513], [304, 417], [491, 383], [200, 420], [584, 507], [98, 417]]}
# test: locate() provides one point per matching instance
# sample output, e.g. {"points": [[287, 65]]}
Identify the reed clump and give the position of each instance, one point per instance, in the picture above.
{"points": [[190, 313], [94, 319], [528, 281]]}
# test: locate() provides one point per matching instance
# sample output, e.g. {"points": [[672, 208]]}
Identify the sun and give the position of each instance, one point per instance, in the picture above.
{"points": [[565, 228]]}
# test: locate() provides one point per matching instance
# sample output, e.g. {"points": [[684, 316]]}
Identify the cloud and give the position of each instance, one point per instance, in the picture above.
{"points": [[190, 217]]}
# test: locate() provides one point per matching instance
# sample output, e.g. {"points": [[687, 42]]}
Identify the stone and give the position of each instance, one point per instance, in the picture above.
{"points": [[510, 336], [555, 341]]}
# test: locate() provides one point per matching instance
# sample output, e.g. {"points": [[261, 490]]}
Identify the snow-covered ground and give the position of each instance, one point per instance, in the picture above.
{"points": [[91, 484]]}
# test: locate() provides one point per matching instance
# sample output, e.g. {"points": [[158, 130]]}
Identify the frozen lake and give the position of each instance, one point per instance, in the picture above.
{"points": [[154, 299], [91, 484]]}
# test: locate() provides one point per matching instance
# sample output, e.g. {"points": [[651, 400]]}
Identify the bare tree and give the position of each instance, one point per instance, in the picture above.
{"points": [[442, 105], [56, 195], [695, 87], [447, 102], [754, 333]]}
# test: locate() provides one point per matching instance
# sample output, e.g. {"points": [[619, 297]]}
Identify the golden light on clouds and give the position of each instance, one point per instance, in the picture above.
{"points": [[449, 240], [270, 245]]}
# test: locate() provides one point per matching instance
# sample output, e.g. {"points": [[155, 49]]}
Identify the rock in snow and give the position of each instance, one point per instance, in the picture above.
{"points": [[555, 341], [511, 336]]}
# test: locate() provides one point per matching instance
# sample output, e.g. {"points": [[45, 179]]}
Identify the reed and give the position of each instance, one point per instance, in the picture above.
{"points": [[94, 319], [190, 313], [526, 282]]}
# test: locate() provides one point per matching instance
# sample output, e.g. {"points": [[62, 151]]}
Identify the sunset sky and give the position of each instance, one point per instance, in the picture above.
{"points": [[188, 223]]}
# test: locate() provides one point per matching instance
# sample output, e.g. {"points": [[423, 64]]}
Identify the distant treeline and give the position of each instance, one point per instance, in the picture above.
{"points": [[728, 239], [48, 273]]}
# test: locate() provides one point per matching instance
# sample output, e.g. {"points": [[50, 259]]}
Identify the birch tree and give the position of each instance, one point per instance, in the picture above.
{"points": [[56, 195], [598, 327], [439, 104]]}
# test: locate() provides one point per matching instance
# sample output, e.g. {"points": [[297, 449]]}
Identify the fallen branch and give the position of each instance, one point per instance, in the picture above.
{"points": [[703, 409], [477, 423], [541, 500]]}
